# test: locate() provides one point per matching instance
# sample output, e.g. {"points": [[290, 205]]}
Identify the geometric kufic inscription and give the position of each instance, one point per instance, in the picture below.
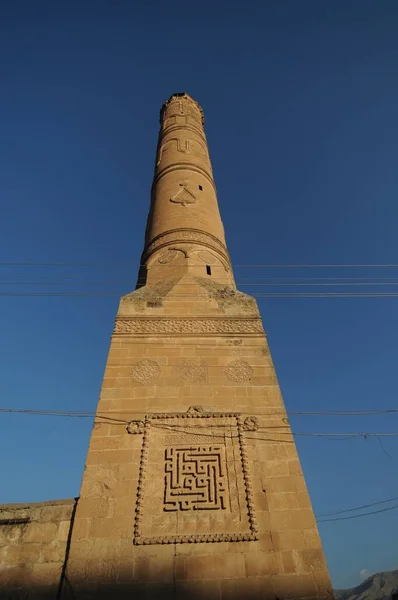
{"points": [[195, 478]]}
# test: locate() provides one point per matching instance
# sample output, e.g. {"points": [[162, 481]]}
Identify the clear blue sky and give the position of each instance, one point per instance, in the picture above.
{"points": [[300, 100]]}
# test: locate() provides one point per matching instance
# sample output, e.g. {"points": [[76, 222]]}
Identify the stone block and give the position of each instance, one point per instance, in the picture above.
{"points": [[265, 542], [287, 562], [111, 528], [99, 481], [263, 520], [324, 585], [105, 443], [282, 501], [93, 508], [215, 567], [295, 467], [260, 563], [280, 485], [312, 539], [288, 540], [13, 577], [55, 512], [249, 588], [291, 587], [299, 519], [63, 531], [154, 568], [312, 561], [303, 500], [53, 552], [275, 468], [261, 501], [80, 529], [20, 554], [46, 574], [41, 532], [211, 590]]}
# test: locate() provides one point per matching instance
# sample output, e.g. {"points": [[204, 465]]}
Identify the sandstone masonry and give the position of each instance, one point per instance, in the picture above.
{"points": [[192, 486]]}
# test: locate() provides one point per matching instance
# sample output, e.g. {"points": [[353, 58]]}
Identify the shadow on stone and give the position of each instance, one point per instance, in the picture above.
{"points": [[227, 589]]}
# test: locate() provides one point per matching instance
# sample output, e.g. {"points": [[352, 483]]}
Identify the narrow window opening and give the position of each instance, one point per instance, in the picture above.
{"points": [[201, 188], [208, 269]]}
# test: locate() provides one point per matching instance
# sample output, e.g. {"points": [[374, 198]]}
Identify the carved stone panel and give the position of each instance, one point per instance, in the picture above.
{"points": [[195, 478], [238, 371], [183, 196], [194, 481], [167, 256], [145, 371]]}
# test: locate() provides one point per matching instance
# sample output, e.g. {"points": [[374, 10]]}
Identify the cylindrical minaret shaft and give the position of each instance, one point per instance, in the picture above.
{"points": [[184, 210]]}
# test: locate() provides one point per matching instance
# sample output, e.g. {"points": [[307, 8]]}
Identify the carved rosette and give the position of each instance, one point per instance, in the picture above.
{"points": [[238, 371], [135, 427], [144, 371], [251, 424]]}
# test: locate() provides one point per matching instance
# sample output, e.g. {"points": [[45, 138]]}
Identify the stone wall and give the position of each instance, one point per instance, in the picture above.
{"points": [[201, 370], [33, 546]]}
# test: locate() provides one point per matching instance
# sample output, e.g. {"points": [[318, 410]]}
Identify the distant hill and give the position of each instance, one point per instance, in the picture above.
{"points": [[381, 586]]}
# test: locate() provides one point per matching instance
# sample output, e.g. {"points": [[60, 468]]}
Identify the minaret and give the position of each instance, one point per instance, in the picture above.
{"points": [[184, 219], [192, 486]]}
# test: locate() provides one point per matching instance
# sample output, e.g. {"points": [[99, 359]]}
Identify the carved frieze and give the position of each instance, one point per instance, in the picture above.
{"points": [[193, 236], [203, 326]]}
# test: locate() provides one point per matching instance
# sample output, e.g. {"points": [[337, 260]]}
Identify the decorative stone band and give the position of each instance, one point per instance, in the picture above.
{"points": [[199, 326], [181, 539], [253, 530], [184, 166], [193, 236], [191, 127]]}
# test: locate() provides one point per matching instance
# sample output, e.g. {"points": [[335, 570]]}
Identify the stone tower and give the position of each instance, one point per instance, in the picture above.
{"points": [[192, 486]]}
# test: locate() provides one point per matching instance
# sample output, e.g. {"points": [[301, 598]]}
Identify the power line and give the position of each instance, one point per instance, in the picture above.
{"points": [[122, 421], [260, 295], [345, 510], [72, 413], [267, 266], [355, 283], [261, 277], [374, 512]]}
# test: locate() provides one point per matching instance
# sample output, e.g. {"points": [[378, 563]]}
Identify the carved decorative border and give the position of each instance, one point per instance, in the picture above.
{"points": [[195, 538], [159, 326], [186, 235]]}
